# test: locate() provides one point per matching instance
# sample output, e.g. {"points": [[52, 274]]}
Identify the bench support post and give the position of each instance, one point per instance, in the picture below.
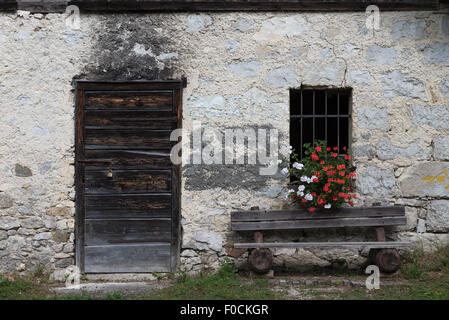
{"points": [[388, 260], [260, 259]]}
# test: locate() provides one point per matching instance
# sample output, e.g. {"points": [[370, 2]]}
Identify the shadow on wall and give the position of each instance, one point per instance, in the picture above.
{"points": [[132, 47]]}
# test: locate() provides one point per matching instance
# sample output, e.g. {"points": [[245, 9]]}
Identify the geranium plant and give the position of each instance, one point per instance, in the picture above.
{"points": [[323, 177]]}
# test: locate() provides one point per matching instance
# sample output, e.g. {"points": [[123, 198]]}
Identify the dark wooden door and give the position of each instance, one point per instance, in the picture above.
{"points": [[127, 189]]}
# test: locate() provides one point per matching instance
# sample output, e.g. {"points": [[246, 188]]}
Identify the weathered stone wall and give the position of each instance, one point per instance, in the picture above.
{"points": [[239, 67]]}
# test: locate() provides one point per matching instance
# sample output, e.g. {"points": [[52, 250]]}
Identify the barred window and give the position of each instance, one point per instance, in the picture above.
{"points": [[320, 114]]}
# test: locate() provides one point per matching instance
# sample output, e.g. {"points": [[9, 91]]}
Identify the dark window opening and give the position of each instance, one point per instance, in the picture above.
{"points": [[320, 114]]}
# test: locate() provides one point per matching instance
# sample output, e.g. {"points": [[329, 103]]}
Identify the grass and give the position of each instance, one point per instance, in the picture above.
{"points": [[426, 276], [223, 285], [32, 288]]}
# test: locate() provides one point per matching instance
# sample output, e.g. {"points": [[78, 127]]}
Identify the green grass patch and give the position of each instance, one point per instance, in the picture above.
{"points": [[32, 288], [226, 284]]}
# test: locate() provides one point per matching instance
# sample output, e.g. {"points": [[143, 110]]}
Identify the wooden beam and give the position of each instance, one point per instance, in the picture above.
{"points": [[215, 5], [253, 5], [42, 6], [348, 245], [317, 223], [301, 214], [8, 5]]}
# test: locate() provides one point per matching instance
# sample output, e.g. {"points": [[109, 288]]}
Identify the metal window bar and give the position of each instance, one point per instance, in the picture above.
{"points": [[314, 116]]}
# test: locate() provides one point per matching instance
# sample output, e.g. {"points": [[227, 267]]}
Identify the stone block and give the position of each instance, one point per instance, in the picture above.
{"points": [[372, 119], [441, 147], [375, 181], [408, 30], [282, 77], [433, 116], [425, 179], [398, 84], [380, 55], [438, 216], [22, 171], [5, 201]]}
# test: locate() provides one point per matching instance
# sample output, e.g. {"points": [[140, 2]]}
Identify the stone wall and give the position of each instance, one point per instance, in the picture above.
{"points": [[239, 67]]}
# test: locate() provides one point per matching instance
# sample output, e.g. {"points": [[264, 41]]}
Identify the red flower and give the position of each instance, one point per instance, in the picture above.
{"points": [[304, 200], [314, 157], [340, 167], [347, 157], [335, 148], [344, 148], [318, 149], [334, 155], [322, 162], [325, 168], [311, 209], [351, 203], [328, 148]]}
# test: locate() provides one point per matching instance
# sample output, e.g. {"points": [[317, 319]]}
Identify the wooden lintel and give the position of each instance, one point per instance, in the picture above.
{"points": [[215, 5]]}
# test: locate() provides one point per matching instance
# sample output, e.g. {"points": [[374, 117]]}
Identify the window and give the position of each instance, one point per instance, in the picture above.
{"points": [[320, 114]]}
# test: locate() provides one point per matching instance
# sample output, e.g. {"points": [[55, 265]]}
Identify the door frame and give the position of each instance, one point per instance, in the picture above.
{"points": [[80, 86]]}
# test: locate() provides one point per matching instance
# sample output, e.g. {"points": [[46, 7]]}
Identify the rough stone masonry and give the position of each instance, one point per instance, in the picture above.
{"points": [[239, 68]]}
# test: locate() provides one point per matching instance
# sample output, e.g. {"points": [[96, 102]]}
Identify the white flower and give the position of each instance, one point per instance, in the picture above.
{"points": [[313, 177], [300, 193], [284, 171], [301, 188], [279, 161], [304, 178], [309, 197], [327, 206], [298, 166], [290, 191]]}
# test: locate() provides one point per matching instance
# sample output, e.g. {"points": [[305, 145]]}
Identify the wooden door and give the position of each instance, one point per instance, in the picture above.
{"points": [[127, 189]]}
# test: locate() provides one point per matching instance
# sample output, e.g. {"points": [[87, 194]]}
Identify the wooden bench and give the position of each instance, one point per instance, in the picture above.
{"points": [[382, 253]]}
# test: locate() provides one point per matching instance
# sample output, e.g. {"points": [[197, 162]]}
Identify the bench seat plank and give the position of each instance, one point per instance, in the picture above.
{"points": [[318, 223], [298, 214], [349, 245]]}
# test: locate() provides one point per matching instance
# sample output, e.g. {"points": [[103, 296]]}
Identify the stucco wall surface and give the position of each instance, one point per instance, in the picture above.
{"points": [[239, 67]]}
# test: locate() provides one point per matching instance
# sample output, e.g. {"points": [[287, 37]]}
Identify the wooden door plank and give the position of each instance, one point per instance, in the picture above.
{"points": [[128, 206], [127, 181], [122, 231], [158, 101], [129, 159], [153, 257], [126, 139]]}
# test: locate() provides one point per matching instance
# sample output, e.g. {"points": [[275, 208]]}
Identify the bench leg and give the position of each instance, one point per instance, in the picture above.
{"points": [[260, 259], [388, 260]]}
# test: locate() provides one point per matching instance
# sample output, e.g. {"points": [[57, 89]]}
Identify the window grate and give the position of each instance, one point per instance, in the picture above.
{"points": [[320, 114]]}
